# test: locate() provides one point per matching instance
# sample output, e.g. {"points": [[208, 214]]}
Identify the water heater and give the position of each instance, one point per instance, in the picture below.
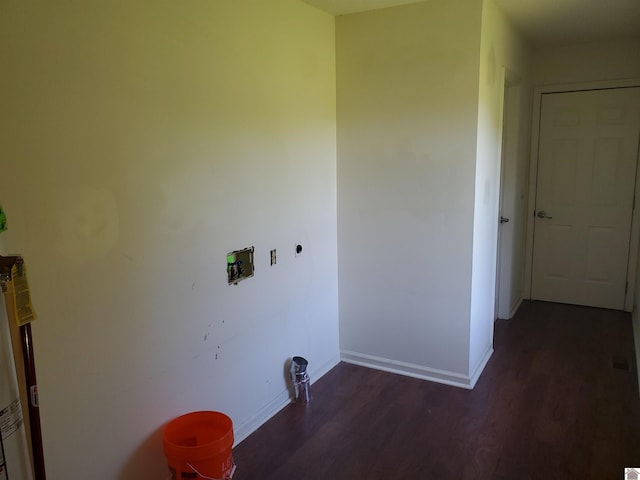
{"points": [[15, 463]]}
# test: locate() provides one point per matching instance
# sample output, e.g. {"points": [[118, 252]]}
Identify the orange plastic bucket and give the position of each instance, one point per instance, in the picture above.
{"points": [[198, 445]]}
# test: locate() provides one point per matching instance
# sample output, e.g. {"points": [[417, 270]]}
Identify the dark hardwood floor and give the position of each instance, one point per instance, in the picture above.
{"points": [[549, 405]]}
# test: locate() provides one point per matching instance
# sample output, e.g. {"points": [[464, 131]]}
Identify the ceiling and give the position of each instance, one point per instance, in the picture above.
{"points": [[543, 22]]}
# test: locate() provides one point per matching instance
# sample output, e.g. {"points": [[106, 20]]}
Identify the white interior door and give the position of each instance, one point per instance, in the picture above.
{"points": [[511, 221], [587, 157], [504, 278]]}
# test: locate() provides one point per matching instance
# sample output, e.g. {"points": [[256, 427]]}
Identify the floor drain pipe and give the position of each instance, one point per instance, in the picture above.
{"points": [[300, 379]]}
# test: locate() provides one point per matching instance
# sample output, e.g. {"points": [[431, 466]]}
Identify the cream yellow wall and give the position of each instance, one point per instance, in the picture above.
{"points": [[139, 143], [502, 52], [407, 126]]}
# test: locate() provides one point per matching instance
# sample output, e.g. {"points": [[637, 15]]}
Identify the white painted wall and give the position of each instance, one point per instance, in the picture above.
{"points": [[407, 126], [501, 48], [585, 62], [139, 143]]}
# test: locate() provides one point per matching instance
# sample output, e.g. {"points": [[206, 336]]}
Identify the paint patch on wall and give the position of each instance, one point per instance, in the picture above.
{"points": [[87, 224]]}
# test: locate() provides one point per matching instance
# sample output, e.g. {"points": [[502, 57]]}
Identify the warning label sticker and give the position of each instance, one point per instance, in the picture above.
{"points": [[10, 419]]}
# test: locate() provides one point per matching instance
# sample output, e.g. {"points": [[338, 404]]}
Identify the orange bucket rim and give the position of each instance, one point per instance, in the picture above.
{"points": [[222, 445]]}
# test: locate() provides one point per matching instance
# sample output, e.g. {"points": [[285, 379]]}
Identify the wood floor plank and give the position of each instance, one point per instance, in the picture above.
{"points": [[549, 405]]}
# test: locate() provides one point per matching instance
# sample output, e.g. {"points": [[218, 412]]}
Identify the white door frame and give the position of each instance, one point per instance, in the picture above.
{"points": [[634, 244]]}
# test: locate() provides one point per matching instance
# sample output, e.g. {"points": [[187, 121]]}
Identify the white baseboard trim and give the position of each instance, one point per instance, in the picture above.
{"points": [[635, 318], [317, 373], [254, 423], [408, 369], [515, 308], [476, 372], [278, 403]]}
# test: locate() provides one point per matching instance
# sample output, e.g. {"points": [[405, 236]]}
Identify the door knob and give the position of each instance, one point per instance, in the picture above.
{"points": [[542, 214], [504, 219]]}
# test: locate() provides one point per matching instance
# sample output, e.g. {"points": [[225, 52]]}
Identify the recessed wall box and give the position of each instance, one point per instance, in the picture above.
{"points": [[239, 265]]}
